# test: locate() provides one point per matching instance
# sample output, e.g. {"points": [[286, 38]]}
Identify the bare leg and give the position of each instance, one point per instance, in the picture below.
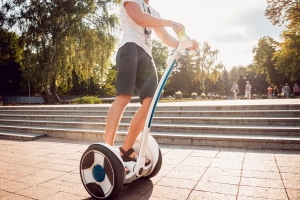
{"points": [[114, 117], [137, 124]]}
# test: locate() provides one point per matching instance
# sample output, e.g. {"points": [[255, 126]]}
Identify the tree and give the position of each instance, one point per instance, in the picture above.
{"points": [[225, 84], [109, 88], [11, 55], [195, 69], [182, 78], [206, 69], [263, 57], [11, 49], [288, 55], [278, 10], [160, 54], [219, 79], [63, 37]]}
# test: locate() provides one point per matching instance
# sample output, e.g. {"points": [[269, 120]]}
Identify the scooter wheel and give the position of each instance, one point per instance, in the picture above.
{"points": [[101, 171], [157, 166]]}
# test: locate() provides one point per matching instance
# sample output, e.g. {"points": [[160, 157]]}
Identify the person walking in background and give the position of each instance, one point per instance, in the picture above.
{"points": [[296, 90], [241, 82], [248, 90], [235, 89], [282, 90], [275, 91], [270, 92], [286, 90]]}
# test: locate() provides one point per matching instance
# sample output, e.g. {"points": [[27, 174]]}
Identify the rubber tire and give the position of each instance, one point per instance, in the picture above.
{"points": [[157, 166], [114, 170]]}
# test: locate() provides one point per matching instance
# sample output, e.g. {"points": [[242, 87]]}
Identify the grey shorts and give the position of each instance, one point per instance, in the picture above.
{"points": [[136, 71]]}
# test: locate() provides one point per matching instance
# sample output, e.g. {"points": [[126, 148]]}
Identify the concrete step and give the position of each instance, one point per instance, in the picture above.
{"points": [[232, 141], [56, 112], [21, 136], [178, 113], [261, 121], [159, 127], [190, 139], [273, 125], [47, 128], [231, 113], [177, 106], [257, 121]]}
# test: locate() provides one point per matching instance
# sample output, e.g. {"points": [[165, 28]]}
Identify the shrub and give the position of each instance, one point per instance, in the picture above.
{"points": [[203, 95], [194, 95], [217, 96], [178, 95], [87, 100]]}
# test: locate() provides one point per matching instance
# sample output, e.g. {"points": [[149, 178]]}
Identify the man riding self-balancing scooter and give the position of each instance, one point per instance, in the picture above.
{"points": [[103, 169]]}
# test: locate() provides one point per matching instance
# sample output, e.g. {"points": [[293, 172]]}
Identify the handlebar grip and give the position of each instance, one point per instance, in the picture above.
{"points": [[185, 42], [181, 35]]}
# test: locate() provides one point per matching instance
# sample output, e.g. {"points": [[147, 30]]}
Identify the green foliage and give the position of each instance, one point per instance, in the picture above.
{"points": [[182, 77], [160, 54], [87, 100], [194, 70], [63, 37], [288, 56], [278, 10], [205, 63], [11, 49], [109, 88], [263, 58], [68, 46], [180, 81], [11, 56]]}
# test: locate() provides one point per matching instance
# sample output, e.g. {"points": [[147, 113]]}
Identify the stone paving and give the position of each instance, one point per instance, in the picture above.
{"points": [[48, 169]]}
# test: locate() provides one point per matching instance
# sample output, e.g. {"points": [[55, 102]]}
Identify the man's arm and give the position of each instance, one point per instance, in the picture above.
{"points": [[165, 37], [158, 24], [169, 40], [144, 19]]}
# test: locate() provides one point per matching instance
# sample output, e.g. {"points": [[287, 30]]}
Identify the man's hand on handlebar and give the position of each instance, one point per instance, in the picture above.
{"points": [[195, 46], [177, 27]]}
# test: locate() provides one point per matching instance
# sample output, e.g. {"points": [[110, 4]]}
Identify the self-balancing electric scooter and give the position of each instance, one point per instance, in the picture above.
{"points": [[102, 169]]}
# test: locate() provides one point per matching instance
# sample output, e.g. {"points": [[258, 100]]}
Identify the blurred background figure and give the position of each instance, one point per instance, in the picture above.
{"points": [[270, 92], [286, 90], [235, 89], [248, 90]]}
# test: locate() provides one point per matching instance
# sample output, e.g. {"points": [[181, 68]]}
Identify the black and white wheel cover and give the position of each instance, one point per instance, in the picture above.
{"points": [[101, 172]]}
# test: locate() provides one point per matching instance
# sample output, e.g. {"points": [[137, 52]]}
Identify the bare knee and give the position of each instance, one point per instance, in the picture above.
{"points": [[146, 102], [122, 100]]}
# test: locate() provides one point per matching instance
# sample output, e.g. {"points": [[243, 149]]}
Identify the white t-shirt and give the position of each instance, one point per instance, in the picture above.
{"points": [[136, 33], [248, 87]]}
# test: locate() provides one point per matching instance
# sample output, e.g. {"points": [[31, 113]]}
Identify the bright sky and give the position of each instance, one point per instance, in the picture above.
{"points": [[231, 26]]}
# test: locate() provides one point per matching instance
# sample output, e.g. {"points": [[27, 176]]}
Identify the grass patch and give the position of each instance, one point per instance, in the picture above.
{"points": [[87, 100]]}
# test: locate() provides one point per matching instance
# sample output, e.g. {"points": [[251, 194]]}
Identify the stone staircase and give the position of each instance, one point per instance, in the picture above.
{"points": [[242, 123]]}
